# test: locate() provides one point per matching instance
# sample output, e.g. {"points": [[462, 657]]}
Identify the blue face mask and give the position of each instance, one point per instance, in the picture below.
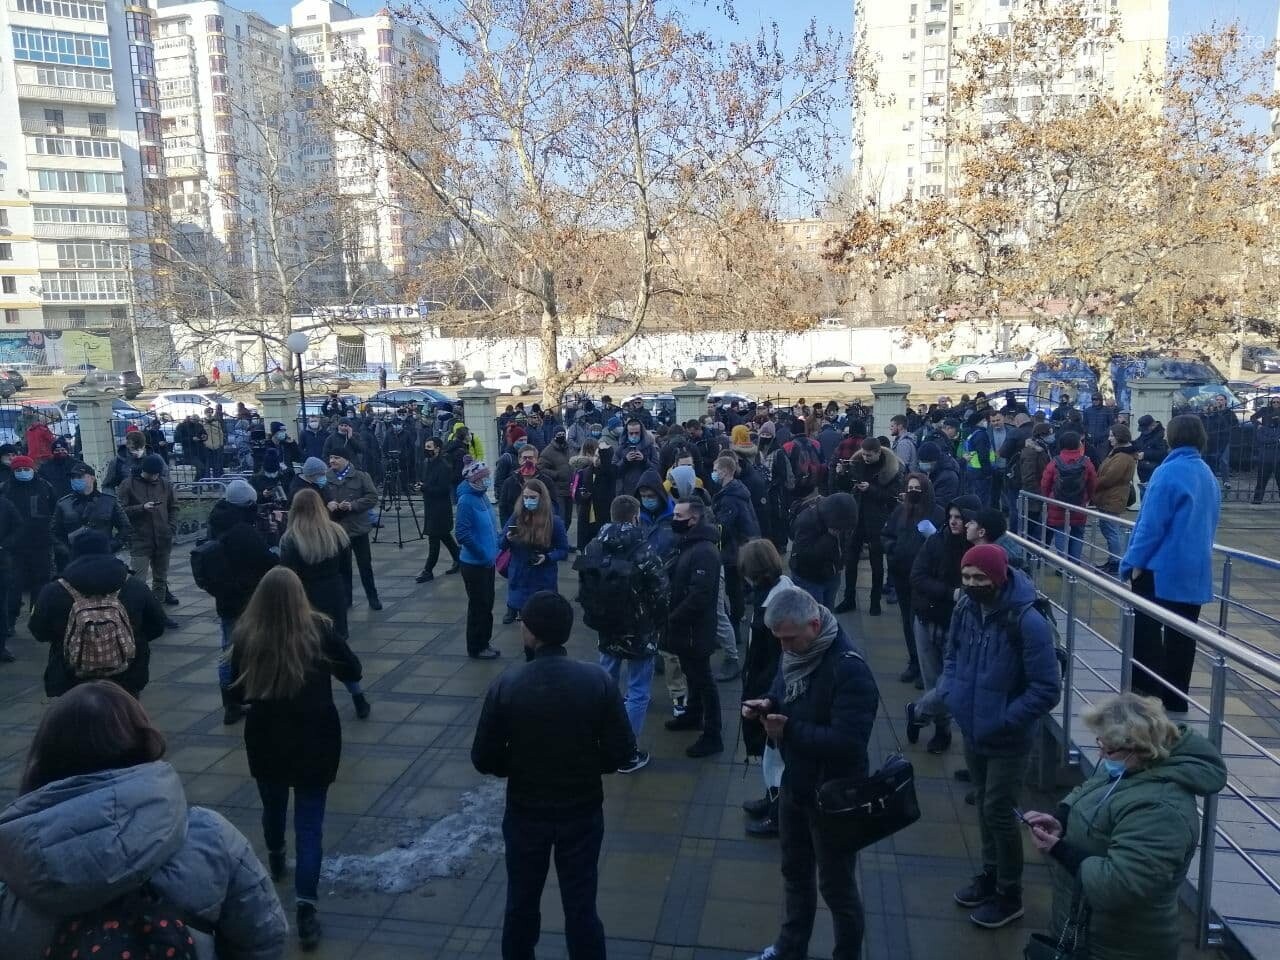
{"points": [[715, 476], [79, 485], [23, 474], [632, 440], [519, 444], [1115, 768], [596, 434], [321, 480], [281, 435], [649, 503], [530, 503], [925, 467]]}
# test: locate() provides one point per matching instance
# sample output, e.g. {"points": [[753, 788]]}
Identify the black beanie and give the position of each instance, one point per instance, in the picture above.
{"points": [[549, 617]]}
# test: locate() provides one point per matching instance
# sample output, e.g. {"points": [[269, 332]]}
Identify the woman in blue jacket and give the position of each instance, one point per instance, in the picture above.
{"points": [[1170, 560], [537, 541]]}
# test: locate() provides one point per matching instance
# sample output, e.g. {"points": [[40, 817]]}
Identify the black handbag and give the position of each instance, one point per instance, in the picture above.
{"points": [[855, 812], [1070, 943]]}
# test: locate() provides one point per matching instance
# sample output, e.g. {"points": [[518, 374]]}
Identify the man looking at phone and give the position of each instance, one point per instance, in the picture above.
{"points": [[819, 713]]}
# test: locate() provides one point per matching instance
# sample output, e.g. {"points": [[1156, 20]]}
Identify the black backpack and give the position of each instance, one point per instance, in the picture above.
{"points": [[1043, 606], [1069, 480], [209, 565], [142, 925]]}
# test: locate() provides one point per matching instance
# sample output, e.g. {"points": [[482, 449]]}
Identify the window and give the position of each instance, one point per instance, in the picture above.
{"points": [[148, 127], [11, 316], [76, 314], [54, 77], [213, 24], [384, 38], [217, 64], [8, 284], [6, 251], [76, 147], [100, 254], [139, 25], [4, 217], [79, 181], [57, 46], [142, 60], [97, 124], [53, 120], [83, 10], [217, 44]]}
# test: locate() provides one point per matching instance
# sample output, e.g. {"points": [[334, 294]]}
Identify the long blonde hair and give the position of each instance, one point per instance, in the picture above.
{"points": [[277, 638], [534, 527], [311, 532]]}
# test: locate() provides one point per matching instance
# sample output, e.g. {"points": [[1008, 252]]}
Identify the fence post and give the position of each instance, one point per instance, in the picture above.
{"points": [[1224, 605], [279, 405], [1070, 755], [890, 398], [1126, 648], [691, 400], [1209, 932], [93, 413], [480, 414]]}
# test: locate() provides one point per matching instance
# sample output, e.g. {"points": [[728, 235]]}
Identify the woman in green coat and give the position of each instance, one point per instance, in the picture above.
{"points": [[1124, 838]]}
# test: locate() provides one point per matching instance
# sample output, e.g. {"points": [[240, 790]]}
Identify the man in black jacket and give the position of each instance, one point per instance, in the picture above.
{"points": [[551, 727], [10, 531], [87, 507], [818, 528], [878, 478], [32, 555], [436, 480], [94, 572], [691, 623], [820, 712]]}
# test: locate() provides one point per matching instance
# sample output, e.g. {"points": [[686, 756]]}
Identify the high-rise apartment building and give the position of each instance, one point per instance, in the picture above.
{"points": [[80, 163], [911, 45]]}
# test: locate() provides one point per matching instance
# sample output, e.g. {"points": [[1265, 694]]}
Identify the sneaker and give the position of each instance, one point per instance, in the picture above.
{"points": [[850, 602], [940, 742], [980, 889], [765, 827], [362, 706], [488, 653], [686, 721], [1000, 910], [704, 746], [375, 603], [729, 670], [768, 953], [308, 927], [170, 599], [760, 807], [639, 760], [426, 576], [914, 724], [277, 864], [678, 706]]}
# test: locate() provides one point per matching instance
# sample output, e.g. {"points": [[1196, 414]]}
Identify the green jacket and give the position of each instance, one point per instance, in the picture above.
{"points": [[1136, 841], [356, 487]]}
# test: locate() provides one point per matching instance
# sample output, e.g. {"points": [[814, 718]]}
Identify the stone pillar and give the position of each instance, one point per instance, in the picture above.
{"points": [[890, 400], [480, 413], [1152, 396], [278, 404], [97, 441], [691, 399]]}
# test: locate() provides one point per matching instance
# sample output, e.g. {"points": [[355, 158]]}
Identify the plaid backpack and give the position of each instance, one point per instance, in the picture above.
{"points": [[99, 639]]}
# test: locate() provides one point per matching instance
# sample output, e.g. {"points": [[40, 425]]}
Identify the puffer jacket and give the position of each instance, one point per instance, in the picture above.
{"points": [[1115, 478], [131, 826], [903, 539], [995, 684], [1127, 845], [475, 527], [737, 518], [695, 593]]}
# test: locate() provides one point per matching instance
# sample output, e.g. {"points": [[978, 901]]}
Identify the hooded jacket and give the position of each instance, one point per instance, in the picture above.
{"points": [[635, 635], [237, 530], [657, 523], [903, 539], [997, 681], [96, 575], [1128, 845], [629, 471], [77, 844], [695, 594], [945, 476], [475, 527], [737, 518], [935, 575], [817, 554]]}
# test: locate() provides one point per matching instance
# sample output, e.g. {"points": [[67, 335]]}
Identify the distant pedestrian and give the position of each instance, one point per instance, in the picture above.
{"points": [[551, 727], [382, 378], [436, 481], [215, 375]]}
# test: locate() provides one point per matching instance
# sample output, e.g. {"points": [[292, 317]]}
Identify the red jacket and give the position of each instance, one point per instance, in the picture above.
{"points": [[1050, 474], [39, 442]]}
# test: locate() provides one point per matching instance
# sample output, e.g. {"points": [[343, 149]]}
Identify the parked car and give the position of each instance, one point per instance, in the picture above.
{"points": [[442, 372], [726, 397], [946, 369], [661, 406], [7, 389], [708, 366], [126, 382], [15, 378], [828, 371], [314, 403], [389, 401], [179, 404], [832, 323], [998, 366], [608, 370], [513, 382], [1261, 359], [179, 379]]}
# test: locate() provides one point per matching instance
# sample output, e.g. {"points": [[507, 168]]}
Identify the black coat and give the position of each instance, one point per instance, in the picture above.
{"points": [[57, 473], [323, 583], [902, 538], [299, 741], [236, 527], [436, 478], [96, 511], [817, 554], [695, 592], [299, 483], [935, 575], [95, 576], [886, 479], [552, 727], [34, 501], [759, 667], [737, 519]]}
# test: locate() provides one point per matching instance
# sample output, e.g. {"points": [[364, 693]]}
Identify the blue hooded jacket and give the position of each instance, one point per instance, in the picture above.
{"points": [[996, 685], [657, 524], [475, 526]]}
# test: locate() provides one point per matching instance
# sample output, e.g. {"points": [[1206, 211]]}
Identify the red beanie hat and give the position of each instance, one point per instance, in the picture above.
{"points": [[22, 463], [515, 433], [991, 560]]}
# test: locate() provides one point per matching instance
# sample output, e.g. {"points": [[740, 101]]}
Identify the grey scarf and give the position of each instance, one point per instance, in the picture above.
{"points": [[798, 667]]}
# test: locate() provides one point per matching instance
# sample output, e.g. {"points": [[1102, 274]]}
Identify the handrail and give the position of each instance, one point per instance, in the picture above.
{"points": [[1226, 646]]}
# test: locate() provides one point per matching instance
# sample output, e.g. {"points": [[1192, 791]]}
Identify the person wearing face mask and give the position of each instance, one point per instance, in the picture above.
{"points": [[32, 556], [910, 525], [461, 446], [437, 509], [999, 680], [1119, 845], [87, 508], [553, 463], [526, 469], [536, 538], [279, 441], [637, 455], [312, 476], [476, 529], [311, 441], [148, 500], [592, 489], [56, 471]]}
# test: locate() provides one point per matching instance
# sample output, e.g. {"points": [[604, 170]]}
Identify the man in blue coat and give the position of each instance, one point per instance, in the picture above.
{"points": [[820, 711], [1000, 677]]}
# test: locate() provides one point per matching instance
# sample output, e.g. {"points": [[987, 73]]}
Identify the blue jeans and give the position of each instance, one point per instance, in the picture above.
{"points": [[639, 678], [1110, 531], [824, 593], [1075, 546], [978, 482], [224, 665], [574, 837], [308, 830]]}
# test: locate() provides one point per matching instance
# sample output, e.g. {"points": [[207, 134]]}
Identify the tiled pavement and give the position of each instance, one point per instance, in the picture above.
{"points": [[679, 880]]}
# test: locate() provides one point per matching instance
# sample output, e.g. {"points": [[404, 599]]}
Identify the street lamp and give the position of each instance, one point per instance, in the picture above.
{"points": [[297, 344]]}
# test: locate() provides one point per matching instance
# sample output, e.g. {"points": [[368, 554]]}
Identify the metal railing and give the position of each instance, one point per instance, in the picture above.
{"points": [[1091, 667]]}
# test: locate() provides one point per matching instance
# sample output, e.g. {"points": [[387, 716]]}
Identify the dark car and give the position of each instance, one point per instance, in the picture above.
{"points": [[14, 378], [442, 372], [126, 382], [179, 379], [1261, 359], [389, 401]]}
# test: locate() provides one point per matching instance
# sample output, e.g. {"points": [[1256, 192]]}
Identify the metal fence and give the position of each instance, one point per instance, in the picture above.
{"points": [[1237, 888]]}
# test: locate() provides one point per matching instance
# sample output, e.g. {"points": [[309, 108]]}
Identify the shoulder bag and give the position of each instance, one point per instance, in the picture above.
{"points": [[1071, 941]]}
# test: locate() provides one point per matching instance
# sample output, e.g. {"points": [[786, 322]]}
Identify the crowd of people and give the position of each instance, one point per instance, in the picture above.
{"points": [[740, 534]]}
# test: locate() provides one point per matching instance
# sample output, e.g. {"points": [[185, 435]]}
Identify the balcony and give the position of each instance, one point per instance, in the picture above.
{"points": [[80, 231], [43, 91]]}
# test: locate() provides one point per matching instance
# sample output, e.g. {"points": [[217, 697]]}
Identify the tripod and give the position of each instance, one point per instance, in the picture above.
{"points": [[394, 496]]}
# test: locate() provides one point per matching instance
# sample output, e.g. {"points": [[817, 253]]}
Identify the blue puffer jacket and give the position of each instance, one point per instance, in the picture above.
{"points": [[996, 687], [1176, 527], [524, 579], [475, 527]]}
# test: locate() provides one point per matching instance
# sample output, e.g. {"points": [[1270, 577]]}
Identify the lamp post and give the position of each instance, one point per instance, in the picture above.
{"points": [[297, 344]]}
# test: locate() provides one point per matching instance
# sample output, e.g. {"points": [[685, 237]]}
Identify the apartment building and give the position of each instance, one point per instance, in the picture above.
{"points": [[898, 150], [80, 166]]}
